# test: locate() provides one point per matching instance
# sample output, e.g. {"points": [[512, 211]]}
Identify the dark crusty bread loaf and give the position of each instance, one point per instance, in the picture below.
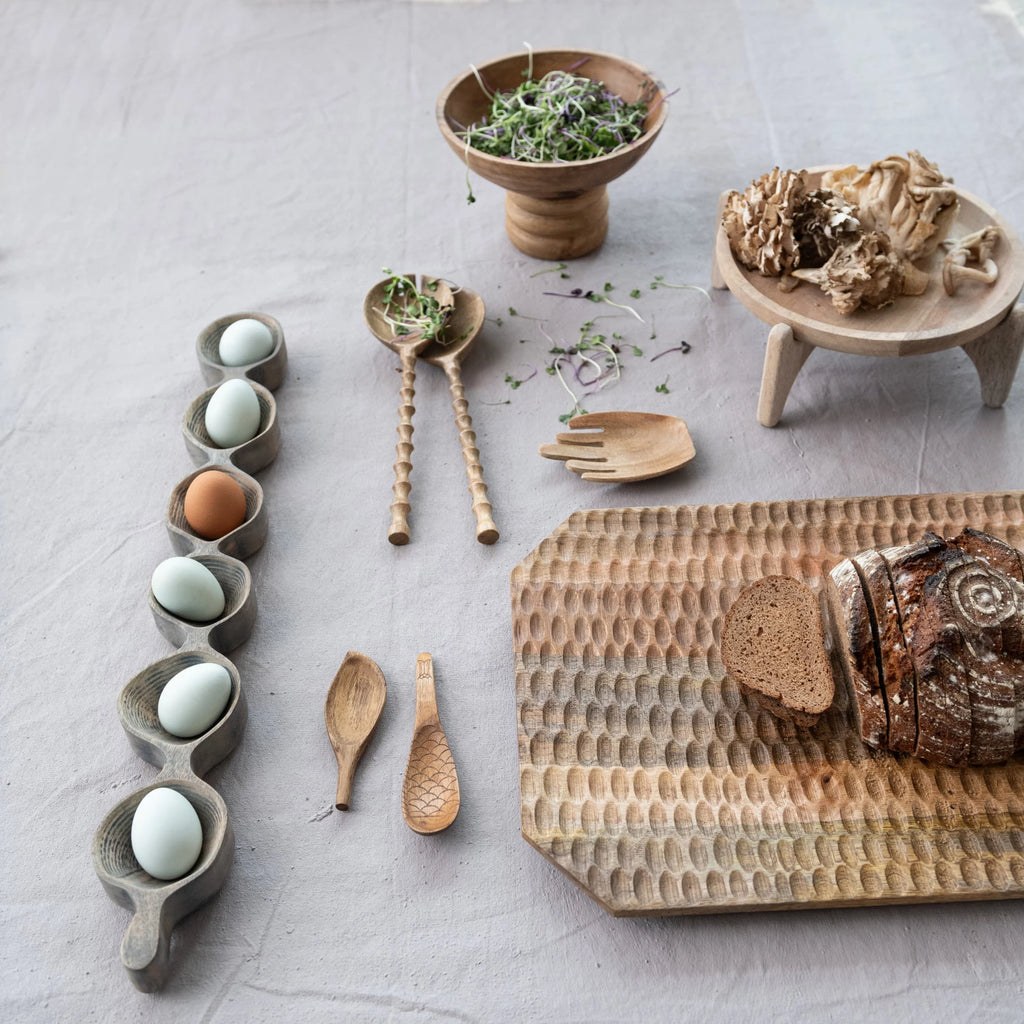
{"points": [[920, 572], [896, 669], [988, 610], [857, 643], [949, 628], [774, 647]]}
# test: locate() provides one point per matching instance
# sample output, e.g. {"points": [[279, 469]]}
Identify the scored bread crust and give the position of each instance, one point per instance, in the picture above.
{"points": [[896, 667], [920, 573], [993, 680], [773, 645], [858, 653]]}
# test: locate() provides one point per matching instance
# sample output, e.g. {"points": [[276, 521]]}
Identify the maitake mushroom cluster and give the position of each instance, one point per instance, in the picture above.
{"points": [[777, 225], [857, 237]]}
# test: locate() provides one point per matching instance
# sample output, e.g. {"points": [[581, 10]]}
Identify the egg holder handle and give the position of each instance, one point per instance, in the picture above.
{"points": [[157, 906]]}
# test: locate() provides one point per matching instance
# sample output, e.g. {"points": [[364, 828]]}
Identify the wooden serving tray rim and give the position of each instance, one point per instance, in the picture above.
{"points": [[663, 524]]}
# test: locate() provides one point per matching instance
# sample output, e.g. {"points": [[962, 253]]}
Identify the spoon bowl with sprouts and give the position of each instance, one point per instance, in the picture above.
{"points": [[446, 348], [407, 320]]}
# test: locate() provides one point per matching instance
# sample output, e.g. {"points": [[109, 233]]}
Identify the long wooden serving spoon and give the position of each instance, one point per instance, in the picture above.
{"points": [[430, 790], [408, 347], [354, 704], [460, 333]]}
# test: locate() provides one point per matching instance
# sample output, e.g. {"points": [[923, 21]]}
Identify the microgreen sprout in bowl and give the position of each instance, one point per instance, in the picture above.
{"points": [[408, 310], [552, 128], [558, 118]]}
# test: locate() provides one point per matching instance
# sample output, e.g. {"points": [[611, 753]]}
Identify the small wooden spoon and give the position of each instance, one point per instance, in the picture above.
{"points": [[354, 704], [430, 791], [460, 333], [408, 347]]}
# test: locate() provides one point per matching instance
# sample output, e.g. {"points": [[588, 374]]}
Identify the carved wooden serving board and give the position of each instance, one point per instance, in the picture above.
{"points": [[659, 788]]}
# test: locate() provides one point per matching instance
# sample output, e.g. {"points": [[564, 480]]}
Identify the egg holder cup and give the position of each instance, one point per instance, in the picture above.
{"points": [[157, 906]]}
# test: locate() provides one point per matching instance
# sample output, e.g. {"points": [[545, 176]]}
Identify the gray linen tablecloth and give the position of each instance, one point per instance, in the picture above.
{"points": [[166, 163]]}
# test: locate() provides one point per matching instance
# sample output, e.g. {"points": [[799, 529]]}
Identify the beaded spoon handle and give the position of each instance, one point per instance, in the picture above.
{"points": [[383, 307]]}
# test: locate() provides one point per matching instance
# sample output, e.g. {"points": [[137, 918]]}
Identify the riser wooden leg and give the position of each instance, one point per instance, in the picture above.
{"points": [[996, 356], [717, 281], [782, 362]]}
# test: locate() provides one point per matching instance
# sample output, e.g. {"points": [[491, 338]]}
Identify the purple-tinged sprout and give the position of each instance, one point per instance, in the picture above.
{"points": [[661, 99], [683, 347]]}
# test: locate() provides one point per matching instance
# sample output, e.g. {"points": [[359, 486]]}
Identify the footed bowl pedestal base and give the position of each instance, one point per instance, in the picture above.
{"points": [[557, 229]]}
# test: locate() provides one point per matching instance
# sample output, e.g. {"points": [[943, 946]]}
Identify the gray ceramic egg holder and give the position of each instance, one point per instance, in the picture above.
{"points": [[157, 906]]}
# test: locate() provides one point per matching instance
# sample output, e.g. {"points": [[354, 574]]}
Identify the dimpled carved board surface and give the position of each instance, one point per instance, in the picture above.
{"points": [[659, 788]]}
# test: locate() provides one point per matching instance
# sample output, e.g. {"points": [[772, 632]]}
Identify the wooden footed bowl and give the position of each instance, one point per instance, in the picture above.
{"points": [[553, 211]]}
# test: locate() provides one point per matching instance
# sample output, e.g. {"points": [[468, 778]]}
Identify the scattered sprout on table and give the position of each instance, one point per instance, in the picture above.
{"points": [[660, 282], [683, 347], [551, 270], [579, 293]]}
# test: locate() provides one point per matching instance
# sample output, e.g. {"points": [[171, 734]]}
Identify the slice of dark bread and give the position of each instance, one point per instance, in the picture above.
{"points": [[857, 650], [920, 574], [774, 647], [895, 669]]}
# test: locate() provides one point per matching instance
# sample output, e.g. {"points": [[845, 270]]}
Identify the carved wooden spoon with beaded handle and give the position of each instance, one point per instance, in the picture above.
{"points": [[430, 791], [408, 347], [459, 334]]}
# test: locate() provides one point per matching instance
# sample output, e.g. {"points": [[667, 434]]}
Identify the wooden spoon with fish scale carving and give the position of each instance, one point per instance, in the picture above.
{"points": [[430, 792]]}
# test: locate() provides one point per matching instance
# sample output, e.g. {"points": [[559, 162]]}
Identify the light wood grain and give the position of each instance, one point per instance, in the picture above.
{"points": [[408, 347], [783, 360], [622, 447], [430, 789], [913, 325], [656, 785], [996, 357], [353, 707], [553, 210], [460, 333]]}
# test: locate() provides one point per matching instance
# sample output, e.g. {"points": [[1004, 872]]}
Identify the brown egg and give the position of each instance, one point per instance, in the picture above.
{"points": [[214, 504]]}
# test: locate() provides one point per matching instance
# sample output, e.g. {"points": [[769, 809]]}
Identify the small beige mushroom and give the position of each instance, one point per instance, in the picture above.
{"points": [[973, 248], [906, 197]]}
